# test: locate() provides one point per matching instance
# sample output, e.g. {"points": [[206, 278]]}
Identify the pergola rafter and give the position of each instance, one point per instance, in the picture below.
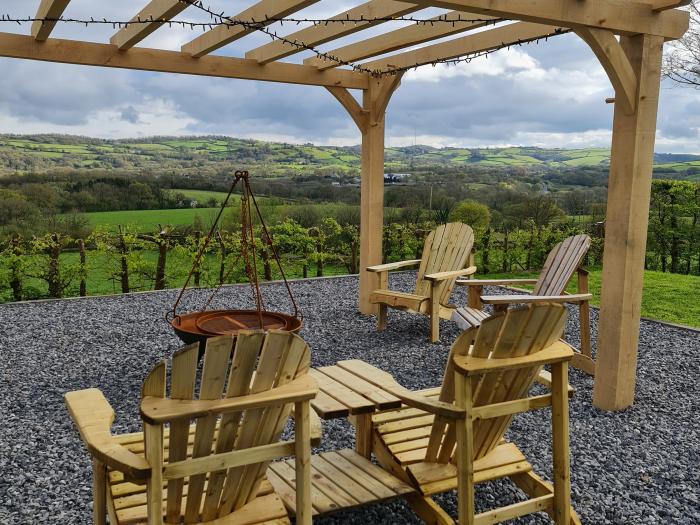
{"points": [[412, 35], [633, 64], [222, 35], [320, 34], [466, 45], [158, 11], [48, 9]]}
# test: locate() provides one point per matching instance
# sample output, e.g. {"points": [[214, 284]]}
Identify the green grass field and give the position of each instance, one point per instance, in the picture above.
{"points": [[202, 196], [149, 220], [666, 296]]}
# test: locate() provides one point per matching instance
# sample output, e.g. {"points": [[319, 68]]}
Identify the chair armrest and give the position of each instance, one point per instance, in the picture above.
{"points": [[441, 276], [157, 410], [93, 416], [526, 299], [388, 384], [544, 378], [393, 266], [494, 282], [439, 408], [555, 353]]}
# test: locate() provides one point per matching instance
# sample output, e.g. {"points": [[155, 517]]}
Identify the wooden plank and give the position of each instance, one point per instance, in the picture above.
{"points": [[293, 363], [342, 479], [379, 397], [458, 47], [182, 380], [406, 424], [51, 9], [105, 55], [283, 472], [216, 359], [543, 503], [320, 34], [381, 475], [622, 16], [355, 402], [245, 356], [405, 37], [154, 455], [157, 10], [327, 407], [283, 357], [398, 299], [360, 476], [625, 236], [258, 13]]}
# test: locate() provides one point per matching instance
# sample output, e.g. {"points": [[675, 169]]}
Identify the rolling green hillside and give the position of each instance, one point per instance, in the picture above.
{"points": [[41, 153]]}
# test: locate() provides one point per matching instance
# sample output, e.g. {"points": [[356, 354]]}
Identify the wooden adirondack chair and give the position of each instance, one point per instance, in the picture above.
{"points": [[562, 262], [446, 252], [452, 437], [205, 448]]}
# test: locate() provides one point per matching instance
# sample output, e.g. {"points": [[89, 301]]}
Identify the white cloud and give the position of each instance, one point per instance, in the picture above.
{"points": [[154, 117], [500, 63]]}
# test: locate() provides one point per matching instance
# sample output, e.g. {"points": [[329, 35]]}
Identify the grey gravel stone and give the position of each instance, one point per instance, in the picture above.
{"points": [[639, 466]]}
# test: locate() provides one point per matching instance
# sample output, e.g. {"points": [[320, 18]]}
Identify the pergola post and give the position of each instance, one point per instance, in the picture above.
{"points": [[374, 102], [369, 118], [627, 217]]}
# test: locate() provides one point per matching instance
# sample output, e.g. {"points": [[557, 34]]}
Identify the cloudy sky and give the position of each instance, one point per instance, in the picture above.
{"points": [[549, 94]]}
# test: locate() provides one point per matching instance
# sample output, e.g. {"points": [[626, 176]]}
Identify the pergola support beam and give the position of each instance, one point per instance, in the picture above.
{"points": [[627, 217], [47, 9], [620, 16], [359, 115], [615, 63], [144, 59]]}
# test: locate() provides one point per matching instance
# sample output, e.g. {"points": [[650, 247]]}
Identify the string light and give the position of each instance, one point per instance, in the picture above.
{"points": [[219, 19]]}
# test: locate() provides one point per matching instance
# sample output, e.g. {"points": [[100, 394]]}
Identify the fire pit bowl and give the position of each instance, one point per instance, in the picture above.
{"points": [[197, 327]]}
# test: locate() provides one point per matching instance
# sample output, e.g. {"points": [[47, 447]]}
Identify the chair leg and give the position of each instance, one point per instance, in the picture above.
{"points": [[585, 323], [434, 312], [434, 328], [363, 435], [474, 293], [381, 317], [560, 444], [302, 449], [99, 493], [535, 487], [429, 511], [465, 452]]}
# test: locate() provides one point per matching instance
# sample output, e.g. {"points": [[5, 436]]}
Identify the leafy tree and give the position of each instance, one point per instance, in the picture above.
{"points": [[473, 213], [682, 61]]}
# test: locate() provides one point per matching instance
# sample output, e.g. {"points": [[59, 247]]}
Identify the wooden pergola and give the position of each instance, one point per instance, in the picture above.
{"points": [[632, 63]]}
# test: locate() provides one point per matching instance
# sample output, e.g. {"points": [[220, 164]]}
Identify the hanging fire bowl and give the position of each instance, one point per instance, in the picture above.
{"points": [[197, 327]]}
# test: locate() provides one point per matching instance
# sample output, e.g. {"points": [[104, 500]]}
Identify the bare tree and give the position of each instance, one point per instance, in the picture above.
{"points": [[682, 61]]}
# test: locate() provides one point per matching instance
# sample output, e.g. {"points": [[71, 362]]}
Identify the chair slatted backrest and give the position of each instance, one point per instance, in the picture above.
{"points": [[514, 333], [446, 248], [259, 362], [561, 263]]}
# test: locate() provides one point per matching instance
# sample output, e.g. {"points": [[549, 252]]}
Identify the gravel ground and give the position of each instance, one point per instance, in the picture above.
{"points": [[635, 467]]}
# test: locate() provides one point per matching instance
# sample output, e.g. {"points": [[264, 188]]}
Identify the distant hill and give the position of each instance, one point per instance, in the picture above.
{"points": [[41, 153]]}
